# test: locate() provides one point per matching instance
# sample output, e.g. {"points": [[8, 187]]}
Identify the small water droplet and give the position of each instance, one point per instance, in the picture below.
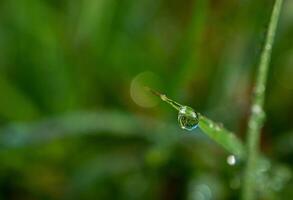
{"points": [[231, 160], [187, 118], [256, 109]]}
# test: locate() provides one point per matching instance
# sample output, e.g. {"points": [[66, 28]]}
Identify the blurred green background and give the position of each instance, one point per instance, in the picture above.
{"points": [[73, 124]]}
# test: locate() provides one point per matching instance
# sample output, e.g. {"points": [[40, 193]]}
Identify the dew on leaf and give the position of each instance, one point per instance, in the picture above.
{"points": [[231, 160], [187, 118]]}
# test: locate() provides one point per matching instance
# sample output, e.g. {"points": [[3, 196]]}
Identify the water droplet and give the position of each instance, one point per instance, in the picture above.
{"points": [[187, 118], [256, 109], [231, 160]]}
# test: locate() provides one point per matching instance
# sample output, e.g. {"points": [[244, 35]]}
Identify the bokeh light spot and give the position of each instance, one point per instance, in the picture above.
{"points": [[138, 92]]}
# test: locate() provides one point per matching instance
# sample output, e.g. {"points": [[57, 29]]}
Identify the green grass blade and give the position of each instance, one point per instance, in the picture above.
{"points": [[256, 120], [222, 136]]}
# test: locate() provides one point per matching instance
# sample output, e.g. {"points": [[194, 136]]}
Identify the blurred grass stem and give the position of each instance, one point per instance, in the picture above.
{"points": [[256, 119]]}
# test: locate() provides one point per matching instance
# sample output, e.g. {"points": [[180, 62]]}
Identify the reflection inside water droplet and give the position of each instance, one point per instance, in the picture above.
{"points": [[187, 118]]}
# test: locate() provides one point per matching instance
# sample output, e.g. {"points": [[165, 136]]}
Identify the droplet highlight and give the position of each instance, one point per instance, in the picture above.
{"points": [[187, 118]]}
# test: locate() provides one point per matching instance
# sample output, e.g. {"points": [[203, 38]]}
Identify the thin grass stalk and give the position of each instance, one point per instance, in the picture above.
{"points": [[257, 116]]}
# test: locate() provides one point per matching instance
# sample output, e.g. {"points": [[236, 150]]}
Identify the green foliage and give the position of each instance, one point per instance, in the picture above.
{"points": [[188, 119], [256, 120], [227, 139], [70, 127], [223, 137]]}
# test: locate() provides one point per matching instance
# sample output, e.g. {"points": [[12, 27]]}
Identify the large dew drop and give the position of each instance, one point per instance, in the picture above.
{"points": [[187, 118]]}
